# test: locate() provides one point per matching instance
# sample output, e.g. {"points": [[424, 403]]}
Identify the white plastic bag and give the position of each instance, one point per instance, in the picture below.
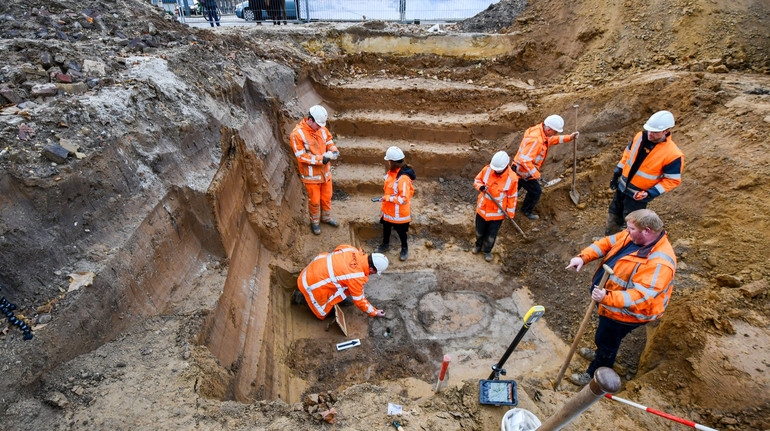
{"points": [[520, 420]]}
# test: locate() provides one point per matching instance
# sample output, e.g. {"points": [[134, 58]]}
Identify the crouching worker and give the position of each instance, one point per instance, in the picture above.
{"points": [[339, 276], [495, 181], [638, 292]]}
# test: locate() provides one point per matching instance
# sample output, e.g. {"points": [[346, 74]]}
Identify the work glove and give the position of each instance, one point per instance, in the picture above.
{"points": [[482, 188], [614, 182], [333, 155], [325, 160]]}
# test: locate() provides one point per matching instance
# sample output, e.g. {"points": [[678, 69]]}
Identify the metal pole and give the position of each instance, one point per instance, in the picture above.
{"points": [[307, 11], [605, 380]]}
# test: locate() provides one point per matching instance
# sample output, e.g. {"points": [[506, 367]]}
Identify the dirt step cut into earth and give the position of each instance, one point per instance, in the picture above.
{"points": [[153, 224]]}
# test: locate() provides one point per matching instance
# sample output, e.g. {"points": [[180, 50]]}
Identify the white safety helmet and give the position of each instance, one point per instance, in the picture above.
{"points": [[394, 153], [499, 161], [555, 122], [659, 121], [380, 262], [319, 115]]}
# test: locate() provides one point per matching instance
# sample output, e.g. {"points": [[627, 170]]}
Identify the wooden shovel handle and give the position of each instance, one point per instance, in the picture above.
{"points": [[607, 272]]}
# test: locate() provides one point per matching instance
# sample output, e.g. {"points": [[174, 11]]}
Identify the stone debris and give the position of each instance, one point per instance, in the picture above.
{"points": [[57, 399]]}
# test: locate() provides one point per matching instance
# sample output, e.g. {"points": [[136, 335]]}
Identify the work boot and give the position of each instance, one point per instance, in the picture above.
{"points": [[297, 297], [612, 225], [531, 216], [587, 354], [316, 228], [476, 250], [580, 379], [382, 248], [404, 254], [331, 222], [488, 257]]}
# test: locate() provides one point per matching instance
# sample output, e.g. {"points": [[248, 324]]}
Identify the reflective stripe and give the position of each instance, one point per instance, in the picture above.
{"points": [[662, 255], [659, 188], [626, 298], [647, 176], [617, 280], [613, 239], [561, 139], [305, 177], [620, 165], [672, 176], [596, 248]]}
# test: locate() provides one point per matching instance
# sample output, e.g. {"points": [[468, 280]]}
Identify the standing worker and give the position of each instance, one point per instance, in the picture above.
{"points": [[498, 180], [531, 155], [211, 11], [396, 211], [651, 165], [331, 277], [314, 148], [637, 293]]}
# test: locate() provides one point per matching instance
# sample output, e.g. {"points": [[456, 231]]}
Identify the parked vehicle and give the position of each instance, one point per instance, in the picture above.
{"points": [[291, 10]]}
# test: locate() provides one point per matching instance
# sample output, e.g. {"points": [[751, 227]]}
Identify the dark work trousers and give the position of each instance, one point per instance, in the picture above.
{"points": [[532, 186], [622, 205], [211, 10], [400, 228], [486, 233], [609, 334], [344, 303]]}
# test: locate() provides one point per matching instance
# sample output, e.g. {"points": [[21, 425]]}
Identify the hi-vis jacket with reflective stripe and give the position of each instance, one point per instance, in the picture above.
{"points": [[533, 149], [503, 188], [640, 289], [309, 146], [660, 171], [396, 202], [331, 277]]}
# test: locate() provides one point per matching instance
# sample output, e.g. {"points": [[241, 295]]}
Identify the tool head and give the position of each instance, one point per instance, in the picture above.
{"points": [[534, 314]]}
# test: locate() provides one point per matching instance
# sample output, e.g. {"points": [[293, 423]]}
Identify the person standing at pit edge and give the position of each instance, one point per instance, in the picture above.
{"points": [[211, 11], [638, 292], [396, 210], [531, 155], [498, 181], [314, 148], [339, 277], [651, 165]]}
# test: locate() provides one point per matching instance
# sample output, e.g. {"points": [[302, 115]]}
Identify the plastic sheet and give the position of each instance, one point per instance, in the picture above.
{"points": [[520, 420]]}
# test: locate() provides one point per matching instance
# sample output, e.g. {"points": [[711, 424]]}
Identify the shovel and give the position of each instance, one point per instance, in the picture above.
{"points": [[586, 318], [489, 196], [573, 193]]}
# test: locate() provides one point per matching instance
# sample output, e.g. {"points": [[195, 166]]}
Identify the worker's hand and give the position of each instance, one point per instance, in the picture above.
{"points": [[598, 294], [333, 155], [640, 195], [482, 188], [574, 135], [379, 313], [576, 262], [325, 160], [614, 183]]}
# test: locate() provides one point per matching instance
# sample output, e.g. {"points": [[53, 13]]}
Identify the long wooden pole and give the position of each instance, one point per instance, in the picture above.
{"points": [[607, 272]]}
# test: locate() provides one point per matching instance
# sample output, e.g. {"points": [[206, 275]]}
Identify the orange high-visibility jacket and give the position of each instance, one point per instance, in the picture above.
{"points": [[660, 171], [503, 188], [331, 277], [640, 289], [533, 149], [396, 202], [309, 146]]}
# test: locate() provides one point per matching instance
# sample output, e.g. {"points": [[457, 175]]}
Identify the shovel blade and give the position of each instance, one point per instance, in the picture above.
{"points": [[575, 196]]}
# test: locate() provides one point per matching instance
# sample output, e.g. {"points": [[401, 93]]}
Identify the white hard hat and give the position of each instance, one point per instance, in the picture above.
{"points": [[380, 262], [319, 115], [500, 161], [394, 153], [659, 121], [555, 122]]}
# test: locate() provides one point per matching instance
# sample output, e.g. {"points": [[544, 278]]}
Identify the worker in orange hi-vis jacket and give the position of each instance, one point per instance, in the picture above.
{"points": [[531, 155], [396, 210], [651, 165], [314, 148], [638, 290], [332, 278], [498, 181]]}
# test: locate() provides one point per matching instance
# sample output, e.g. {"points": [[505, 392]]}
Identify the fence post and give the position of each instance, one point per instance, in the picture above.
{"points": [[605, 380], [307, 11]]}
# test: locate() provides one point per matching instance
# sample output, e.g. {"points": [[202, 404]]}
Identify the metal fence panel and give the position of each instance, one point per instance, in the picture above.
{"points": [[390, 10]]}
